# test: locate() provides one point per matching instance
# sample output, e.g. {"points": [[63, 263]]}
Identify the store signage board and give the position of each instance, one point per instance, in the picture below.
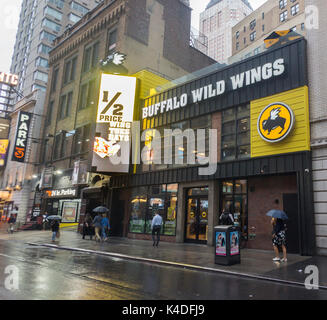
{"points": [[68, 192], [275, 122], [21, 140], [114, 122], [9, 79], [235, 82]]}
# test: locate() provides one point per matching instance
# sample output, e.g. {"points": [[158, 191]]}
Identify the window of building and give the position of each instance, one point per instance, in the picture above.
{"points": [[42, 76], [234, 196], [283, 16], [54, 80], [51, 25], [112, 41], [49, 112], [38, 87], [295, 9], [82, 139], [42, 62], [235, 136], [74, 18], [146, 201], [256, 51], [65, 105], [53, 13], [91, 57], [263, 15], [87, 95], [253, 35], [302, 26], [78, 7], [44, 35], [42, 48], [263, 28], [237, 45], [237, 34], [70, 70], [282, 4], [57, 3], [253, 24]]}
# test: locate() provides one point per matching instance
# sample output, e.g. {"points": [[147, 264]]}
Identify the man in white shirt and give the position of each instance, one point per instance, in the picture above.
{"points": [[156, 228]]}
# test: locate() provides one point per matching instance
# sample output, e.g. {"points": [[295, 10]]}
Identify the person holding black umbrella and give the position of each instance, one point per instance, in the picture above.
{"points": [[278, 233]]}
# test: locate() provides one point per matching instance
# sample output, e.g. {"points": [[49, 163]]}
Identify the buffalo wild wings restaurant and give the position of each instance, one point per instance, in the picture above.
{"points": [[255, 116]]}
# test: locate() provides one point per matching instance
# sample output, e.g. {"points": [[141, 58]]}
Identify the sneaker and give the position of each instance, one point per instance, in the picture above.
{"points": [[276, 259], [284, 260]]}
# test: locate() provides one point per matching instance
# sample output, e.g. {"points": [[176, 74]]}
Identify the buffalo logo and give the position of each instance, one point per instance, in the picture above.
{"points": [[275, 122], [19, 153]]}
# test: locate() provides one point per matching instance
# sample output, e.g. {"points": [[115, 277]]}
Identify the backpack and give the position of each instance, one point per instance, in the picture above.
{"points": [[225, 219]]}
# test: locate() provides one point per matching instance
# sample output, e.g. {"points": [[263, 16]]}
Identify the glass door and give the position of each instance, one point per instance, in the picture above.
{"points": [[196, 219]]}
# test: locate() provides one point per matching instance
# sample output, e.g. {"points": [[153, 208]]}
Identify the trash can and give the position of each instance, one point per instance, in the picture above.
{"points": [[227, 245]]}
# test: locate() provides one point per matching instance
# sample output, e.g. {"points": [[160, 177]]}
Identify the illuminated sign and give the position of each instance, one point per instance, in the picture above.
{"points": [[114, 122], [21, 140], [69, 192], [218, 88], [8, 78], [275, 122], [4, 144]]}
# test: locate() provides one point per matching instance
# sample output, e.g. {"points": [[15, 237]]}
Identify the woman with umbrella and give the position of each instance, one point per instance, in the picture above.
{"points": [[278, 233], [97, 222]]}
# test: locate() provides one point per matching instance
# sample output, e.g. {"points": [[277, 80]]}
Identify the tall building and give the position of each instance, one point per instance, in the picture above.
{"points": [[40, 23], [249, 34], [317, 68], [216, 23]]}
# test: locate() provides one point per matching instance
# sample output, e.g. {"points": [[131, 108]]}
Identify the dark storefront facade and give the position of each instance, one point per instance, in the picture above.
{"points": [[260, 111]]}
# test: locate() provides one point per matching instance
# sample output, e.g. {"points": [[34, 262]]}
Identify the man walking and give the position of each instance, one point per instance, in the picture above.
{"points": [[156, 228], [97, 225]]}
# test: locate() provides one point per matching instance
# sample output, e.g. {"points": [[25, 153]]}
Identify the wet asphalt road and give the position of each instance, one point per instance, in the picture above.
{"points": [[51, 274]]}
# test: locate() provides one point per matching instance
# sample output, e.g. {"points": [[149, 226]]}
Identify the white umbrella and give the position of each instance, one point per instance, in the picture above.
{"points": [[53, 218]]}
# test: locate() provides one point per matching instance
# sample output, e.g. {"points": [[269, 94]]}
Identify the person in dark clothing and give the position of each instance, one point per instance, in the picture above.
{"points": [[279, 238], [55, 229], [226, 217], [87, 226], [11, 222]]}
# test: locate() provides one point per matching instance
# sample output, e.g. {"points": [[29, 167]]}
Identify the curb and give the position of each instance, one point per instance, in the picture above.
{"points": [[175, 264]]}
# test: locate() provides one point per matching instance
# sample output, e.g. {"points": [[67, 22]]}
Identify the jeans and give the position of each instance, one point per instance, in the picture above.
{"points": [[156, 230], [54, 233], [104, 235]]}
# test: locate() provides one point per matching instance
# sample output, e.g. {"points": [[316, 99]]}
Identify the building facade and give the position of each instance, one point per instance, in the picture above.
{"points": [[155, 40], [40, 23], [248, 35], [216, 24], [317, 62], [255, 164]]}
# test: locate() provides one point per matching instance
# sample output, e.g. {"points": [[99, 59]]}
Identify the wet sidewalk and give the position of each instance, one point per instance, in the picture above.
{"points": [[256, 264]]}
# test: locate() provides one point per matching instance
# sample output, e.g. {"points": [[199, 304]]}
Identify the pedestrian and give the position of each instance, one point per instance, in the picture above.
{"points": [[87, 226], [97, 225], [226, 217], [105, 226], [11, 223], [279, 238], [55, 230], [156, 228]]}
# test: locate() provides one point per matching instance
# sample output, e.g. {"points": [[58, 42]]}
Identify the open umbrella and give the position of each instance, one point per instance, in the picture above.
{"points": [[278, 214], [101, 209], [53, 218]]}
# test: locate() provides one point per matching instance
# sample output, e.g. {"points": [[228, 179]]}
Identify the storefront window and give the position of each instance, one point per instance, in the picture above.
{"points": [[147, 201], [234, 196], [236, 133], [138, 209]]}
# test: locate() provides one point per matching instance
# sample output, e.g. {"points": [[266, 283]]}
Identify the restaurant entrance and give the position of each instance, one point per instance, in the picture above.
{"points": [[196, 226]]}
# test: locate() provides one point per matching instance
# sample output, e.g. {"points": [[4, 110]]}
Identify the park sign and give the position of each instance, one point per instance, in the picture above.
{"points": [[21, 140]]}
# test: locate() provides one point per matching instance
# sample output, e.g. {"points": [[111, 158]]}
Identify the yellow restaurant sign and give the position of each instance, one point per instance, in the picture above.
{"points": [[280, 123]]}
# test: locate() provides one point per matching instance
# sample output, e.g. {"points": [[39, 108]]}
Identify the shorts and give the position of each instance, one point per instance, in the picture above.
{"points": [[279, 239]]}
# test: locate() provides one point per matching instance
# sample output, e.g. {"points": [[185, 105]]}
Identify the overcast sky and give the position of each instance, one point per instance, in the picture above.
{"points": [[11, 11]]}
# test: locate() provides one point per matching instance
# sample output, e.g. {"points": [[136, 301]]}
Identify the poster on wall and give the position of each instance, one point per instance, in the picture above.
{"points": [[79, 176], [221, 243], [47, 178], [4, 146], [69, 211], [234, 243]]}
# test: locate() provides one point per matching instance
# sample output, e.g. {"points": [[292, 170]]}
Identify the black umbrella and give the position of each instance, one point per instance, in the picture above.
{"points": [[101, 209]]}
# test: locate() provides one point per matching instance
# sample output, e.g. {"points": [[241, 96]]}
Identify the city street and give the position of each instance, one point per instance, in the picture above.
{"points": [[52, 274]]}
